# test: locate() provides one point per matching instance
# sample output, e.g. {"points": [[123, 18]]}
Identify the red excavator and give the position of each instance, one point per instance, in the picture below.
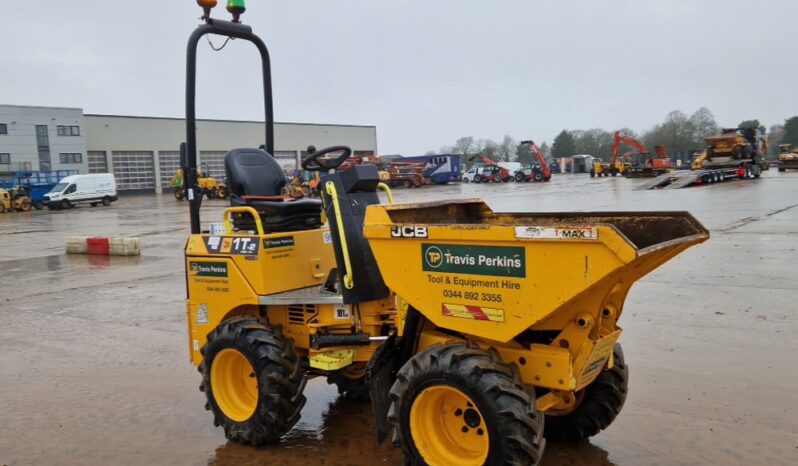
{"points": [[632, 164], [536, 172], [642, 164]]}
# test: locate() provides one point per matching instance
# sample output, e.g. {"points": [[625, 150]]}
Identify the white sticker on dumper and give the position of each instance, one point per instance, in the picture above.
{"points": [[581, 233]]}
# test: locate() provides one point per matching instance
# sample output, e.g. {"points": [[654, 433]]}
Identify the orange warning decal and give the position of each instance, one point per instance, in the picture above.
{"points": [[472, 312]]}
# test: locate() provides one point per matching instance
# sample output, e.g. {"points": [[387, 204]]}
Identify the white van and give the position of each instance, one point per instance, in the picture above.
{"points": [[473, 175], [98, 188]]}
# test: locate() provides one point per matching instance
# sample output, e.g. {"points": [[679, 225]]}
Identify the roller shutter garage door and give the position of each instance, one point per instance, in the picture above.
{"points": [[169, 163], [212, 161], [98, 161], [286, 159], [134, 170]]}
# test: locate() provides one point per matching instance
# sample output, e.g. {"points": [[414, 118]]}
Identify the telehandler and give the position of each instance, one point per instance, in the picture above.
{"points": [[477, 335]]}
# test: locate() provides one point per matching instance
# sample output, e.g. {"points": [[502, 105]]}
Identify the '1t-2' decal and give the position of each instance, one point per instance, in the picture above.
{"points": [[228, 245]]}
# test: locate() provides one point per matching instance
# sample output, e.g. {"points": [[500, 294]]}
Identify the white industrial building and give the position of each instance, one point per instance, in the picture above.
{"points": [[143, 152]]}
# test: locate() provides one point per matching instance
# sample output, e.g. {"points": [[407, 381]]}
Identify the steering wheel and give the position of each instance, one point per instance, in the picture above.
{"points": [[316, 161]]}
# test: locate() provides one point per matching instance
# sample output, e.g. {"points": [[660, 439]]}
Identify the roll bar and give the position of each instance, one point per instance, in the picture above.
{"points": [[189, 162]]}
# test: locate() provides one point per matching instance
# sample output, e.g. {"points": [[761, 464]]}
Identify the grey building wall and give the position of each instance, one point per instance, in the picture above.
{"points": [[142, 152], [24, 147]]}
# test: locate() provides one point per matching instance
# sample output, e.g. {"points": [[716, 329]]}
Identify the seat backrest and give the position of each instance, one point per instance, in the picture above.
{"points": [[253, 172], [357, 189]]}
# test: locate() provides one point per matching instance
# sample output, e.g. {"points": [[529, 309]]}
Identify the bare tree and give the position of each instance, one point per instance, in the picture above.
{"points": [[704, 124], [465, 145], [506, 150]]}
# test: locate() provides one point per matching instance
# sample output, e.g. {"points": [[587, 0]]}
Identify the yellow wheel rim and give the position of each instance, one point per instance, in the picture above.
{"points": [[234, 385], [447, 428]]}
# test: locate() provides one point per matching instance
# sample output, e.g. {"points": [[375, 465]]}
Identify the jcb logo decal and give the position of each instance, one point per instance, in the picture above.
{"points": [[409, 232], [433, 257]]}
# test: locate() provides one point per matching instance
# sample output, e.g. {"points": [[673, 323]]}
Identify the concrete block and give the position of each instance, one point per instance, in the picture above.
{"points": [[119, 246]]}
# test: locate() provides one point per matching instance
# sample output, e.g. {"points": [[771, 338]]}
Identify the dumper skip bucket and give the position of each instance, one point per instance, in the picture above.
{"points": [[495, 275]]}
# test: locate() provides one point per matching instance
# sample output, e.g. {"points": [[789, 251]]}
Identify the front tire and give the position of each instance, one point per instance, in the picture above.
{"points": [[455, 403], [253, 380], [601, 401], [65, 204]]}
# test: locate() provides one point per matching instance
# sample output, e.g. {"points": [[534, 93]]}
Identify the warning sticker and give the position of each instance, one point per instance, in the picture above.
{"points": [[532, 232], [472, 312]]}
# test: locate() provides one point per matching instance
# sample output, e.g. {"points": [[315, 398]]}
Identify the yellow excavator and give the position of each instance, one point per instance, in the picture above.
{"points": [[467, 328]]}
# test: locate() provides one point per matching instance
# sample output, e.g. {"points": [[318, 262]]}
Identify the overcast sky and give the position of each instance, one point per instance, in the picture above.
{"points": [[424, 72]]}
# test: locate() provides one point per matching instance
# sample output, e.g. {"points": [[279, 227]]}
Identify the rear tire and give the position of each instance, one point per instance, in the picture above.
{"points": [[179, 194], [465, 180], [93, 204], [601, 401], [592, 174], [497, 178], [38, 205], [538, 176], [471, 408], [519, 177], [24, 206], [251, 370], [477, 178]]}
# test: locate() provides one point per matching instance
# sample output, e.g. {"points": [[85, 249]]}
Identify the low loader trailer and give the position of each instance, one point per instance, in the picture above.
{"points": [[712, 173]]}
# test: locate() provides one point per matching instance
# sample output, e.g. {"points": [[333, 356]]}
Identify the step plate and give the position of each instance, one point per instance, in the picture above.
{"points": [[310, 295]]}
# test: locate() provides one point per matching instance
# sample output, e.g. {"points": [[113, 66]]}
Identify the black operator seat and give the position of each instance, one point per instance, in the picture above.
{"points": [[256, 180]]}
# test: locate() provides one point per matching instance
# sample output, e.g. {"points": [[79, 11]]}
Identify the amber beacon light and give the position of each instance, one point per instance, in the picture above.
{"points": [[206, 5]]}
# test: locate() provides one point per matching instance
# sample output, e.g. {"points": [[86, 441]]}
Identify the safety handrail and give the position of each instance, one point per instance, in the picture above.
{"points": [[228, 227], [329, 186], [384, 187]]}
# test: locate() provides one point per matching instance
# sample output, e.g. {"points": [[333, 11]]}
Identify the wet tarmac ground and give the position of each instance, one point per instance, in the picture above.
{"points": [[94, 355]]}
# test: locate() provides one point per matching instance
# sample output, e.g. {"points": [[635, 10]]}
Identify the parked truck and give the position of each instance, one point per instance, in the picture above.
{"points": [[736, 153]]}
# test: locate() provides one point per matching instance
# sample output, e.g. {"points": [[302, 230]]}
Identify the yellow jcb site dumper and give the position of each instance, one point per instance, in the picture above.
{"points": [[476, 335], [788, 157]]}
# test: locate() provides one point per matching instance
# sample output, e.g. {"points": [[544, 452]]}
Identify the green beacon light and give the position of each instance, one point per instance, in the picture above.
{"points": [[206, 5], [236, 8]]}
